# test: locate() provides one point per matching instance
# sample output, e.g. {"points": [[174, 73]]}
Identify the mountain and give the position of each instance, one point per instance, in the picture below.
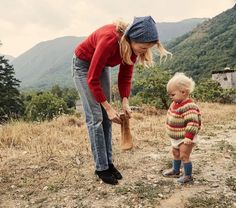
{"points": [[170, 30], [210, 46], [46, 64], [49, 63]]}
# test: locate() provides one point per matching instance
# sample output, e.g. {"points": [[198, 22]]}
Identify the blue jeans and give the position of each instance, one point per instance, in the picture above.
{"points": [[98, 124]]}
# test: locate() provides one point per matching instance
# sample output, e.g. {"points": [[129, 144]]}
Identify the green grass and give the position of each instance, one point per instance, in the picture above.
{"points": [[202, 201], [231, 183]]}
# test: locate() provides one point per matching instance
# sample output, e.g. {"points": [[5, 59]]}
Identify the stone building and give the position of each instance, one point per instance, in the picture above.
{"points": [[226, 78]]}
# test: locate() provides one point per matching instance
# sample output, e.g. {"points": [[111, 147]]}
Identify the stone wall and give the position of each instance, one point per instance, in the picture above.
{"points": [[227, 79]]}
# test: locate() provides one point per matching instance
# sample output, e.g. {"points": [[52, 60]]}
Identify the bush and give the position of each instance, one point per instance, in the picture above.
{"points": [[208, 90], [45, 106]]}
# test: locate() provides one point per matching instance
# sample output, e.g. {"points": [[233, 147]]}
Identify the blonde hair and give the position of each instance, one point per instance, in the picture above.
{"points": [[181, 82], [145, 59]]}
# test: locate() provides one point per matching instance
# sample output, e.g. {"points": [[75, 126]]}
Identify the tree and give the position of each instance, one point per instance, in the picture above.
{"points": [[11, 105], [150, 86], [69, 95]]}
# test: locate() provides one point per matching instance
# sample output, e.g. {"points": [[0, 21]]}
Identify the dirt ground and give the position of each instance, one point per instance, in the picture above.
{"points": [[52, 166]]}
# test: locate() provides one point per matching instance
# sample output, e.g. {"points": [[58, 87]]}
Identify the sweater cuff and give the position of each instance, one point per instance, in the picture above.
{"points": [[125, 92], [100, 99], [189, 135]]}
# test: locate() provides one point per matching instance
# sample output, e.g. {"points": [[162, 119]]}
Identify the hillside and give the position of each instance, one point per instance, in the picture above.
{"points": [[49, 164], [49, 62], [46, 64], [171, 30], [210, 46]]}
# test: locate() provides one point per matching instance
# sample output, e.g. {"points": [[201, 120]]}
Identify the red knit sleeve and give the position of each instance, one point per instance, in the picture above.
{"points": [[125, 77], [102, 52]]}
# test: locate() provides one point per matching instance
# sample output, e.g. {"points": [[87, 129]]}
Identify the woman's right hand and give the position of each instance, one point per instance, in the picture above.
{"points": [[111, 113]]}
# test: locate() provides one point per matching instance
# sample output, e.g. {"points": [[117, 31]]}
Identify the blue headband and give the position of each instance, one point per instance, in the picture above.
{"points": [[142, 30]]}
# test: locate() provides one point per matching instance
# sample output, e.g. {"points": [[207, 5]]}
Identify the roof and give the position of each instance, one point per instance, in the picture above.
{"points": [[226, 70]]}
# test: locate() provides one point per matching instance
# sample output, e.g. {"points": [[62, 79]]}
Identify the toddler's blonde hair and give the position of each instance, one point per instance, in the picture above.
{"points": [[145, 59], [181, 82]]}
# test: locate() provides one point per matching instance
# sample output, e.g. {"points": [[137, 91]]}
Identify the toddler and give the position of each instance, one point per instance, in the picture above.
{"points": [[182, 125]]}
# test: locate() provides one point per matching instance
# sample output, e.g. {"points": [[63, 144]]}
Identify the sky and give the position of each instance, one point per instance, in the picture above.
{"points": [[25, 23]]}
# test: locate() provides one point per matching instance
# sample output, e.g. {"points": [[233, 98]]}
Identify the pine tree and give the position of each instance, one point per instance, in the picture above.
{"points": [[10, 103]]}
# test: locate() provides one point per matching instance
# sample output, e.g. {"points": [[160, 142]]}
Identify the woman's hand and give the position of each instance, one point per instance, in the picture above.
{"points": [[111, 113], [125, 107], [114, 116]]}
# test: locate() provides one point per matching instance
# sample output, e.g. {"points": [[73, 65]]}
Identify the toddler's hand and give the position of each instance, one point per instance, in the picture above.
{"points": [[187, 141]]}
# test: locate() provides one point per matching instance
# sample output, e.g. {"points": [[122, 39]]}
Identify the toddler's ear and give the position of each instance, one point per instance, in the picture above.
{"points": [[184, 92]]}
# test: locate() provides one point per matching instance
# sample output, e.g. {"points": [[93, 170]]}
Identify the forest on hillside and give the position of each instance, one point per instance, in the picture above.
{"points": [[211, 46]]}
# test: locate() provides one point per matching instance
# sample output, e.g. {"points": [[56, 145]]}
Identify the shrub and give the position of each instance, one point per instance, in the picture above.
{"points": [[45, 106]]}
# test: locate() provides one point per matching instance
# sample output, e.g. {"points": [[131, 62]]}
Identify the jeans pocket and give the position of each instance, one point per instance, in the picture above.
{"points": [[81, 67], [73, 66]]}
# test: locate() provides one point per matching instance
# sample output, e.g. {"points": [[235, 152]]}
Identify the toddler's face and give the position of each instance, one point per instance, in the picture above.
{"points": [[177, 95]]}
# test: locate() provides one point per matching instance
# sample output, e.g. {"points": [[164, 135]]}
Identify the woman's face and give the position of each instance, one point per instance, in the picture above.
{"points": [[140, 48]]}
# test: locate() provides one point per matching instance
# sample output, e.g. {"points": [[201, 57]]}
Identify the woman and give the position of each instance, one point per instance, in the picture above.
{"points": [[110, 45]]}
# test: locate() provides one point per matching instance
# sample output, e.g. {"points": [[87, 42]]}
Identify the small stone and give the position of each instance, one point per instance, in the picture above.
{"points": [[149, 177], [45, 188], [215, 185], [32, 201], [77, 159], [161, 196]]}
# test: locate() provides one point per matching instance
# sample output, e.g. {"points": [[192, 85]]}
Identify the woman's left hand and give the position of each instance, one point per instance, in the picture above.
{"points": [[125, 107]]}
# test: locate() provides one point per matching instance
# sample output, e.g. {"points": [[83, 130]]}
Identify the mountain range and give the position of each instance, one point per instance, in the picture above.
{"points": [[49, 62]]}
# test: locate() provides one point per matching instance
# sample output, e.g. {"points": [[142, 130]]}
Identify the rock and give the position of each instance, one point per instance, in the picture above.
{"points": [[45, 188], [215, 185], [149, 177], [161, 196]]}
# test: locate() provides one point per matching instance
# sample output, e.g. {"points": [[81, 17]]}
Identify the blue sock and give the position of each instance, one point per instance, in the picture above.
{"points": [[176, 165], [188, 168]]}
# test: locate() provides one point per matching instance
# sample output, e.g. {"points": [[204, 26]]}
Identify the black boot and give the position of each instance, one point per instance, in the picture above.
{"points": [[107, 176], [115, 172]]}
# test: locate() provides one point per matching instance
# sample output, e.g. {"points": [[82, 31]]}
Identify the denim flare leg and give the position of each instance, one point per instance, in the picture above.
{"points": [[98, 124]]}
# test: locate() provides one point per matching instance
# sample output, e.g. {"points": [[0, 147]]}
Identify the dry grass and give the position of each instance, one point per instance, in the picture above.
{"points": [[42, 163]]}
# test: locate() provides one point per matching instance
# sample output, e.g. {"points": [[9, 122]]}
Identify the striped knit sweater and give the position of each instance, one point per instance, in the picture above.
{"points": [[183, 120]]}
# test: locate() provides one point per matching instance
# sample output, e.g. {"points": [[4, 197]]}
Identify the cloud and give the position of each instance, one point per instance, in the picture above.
{"points": [[25, 23], [51, 14]]}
